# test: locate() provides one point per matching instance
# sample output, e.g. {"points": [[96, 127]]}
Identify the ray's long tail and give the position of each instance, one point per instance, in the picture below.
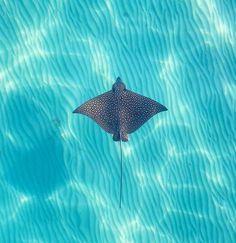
{"points": [[121, 172]]}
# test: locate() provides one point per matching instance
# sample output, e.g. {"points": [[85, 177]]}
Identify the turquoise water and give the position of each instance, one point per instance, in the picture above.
{"points": [[60, 172]]}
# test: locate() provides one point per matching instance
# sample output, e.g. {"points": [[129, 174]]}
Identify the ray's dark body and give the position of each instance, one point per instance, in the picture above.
{"points": [[120, 111]]}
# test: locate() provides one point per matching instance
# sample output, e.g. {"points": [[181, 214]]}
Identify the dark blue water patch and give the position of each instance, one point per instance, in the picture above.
{"points": [[37, 170], [37, 219], [34, 163]]}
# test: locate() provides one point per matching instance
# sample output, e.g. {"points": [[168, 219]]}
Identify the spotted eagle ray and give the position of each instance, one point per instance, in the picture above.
{"points": [[120, 112]]}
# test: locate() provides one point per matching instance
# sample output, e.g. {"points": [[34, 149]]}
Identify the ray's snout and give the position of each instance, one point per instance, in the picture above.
{"points": [[118, 79], [118, 85]]}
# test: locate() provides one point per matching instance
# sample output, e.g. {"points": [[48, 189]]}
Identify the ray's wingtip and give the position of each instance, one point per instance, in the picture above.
{"points": [[76, 110]]}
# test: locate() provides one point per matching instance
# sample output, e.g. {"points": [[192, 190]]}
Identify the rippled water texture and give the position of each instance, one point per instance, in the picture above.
{"points": [[59, 172]]}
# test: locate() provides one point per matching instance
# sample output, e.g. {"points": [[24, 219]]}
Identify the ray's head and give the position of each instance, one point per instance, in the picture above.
{"points": [[118, 85]]}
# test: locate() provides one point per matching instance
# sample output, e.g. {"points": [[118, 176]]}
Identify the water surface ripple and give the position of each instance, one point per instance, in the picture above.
{"points": [[60, 172]]}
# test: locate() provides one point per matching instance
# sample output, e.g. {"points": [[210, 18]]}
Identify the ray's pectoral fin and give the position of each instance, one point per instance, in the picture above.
{"points": [[116, 136], [138, 110], [123, 136], [102, 110]]}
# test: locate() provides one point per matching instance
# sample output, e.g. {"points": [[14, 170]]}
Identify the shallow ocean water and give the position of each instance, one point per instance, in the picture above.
{"points": [[60, 172]]}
